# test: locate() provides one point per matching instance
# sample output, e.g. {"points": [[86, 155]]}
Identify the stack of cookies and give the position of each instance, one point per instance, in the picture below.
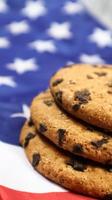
{"points": [[68, 138]]}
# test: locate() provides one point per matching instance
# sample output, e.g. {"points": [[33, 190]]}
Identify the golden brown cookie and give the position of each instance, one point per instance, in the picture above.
{"points": [[69, 171], [85, 91], [69, 133]]}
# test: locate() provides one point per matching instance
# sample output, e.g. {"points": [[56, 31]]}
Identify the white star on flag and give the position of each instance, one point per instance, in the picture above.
{"points": [[4, 42], [3, 6], [17, 28], [91, 59], [72, 8], [34, 9], [43, 46], [7, 80], [70, 62], [101, 37], [25, 112], [21, 66], [60, 30]]}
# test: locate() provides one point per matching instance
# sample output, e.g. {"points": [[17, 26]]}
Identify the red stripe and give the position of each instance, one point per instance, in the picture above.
{"points": [[10, 194]]}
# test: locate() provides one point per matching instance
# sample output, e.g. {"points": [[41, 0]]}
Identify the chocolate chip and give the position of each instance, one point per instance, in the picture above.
{"points": [[35, 159], [76, 106], [28, 138], [107, 197], [61, 135], [94, 65], [42, 128], [30, 122], [109, 168], [58, 96], [109, 165], [99, 143], [78, 148], [72, 82], [48, 102], [77, 165], [109, 84], [100, 73], [82, 96], [56, 82], [89, 77], [20, 144], [109, 162], [104, 66], [109, 91], [90, 128]]}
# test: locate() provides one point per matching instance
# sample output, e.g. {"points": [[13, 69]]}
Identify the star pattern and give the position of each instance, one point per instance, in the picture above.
{"points": [[70, 62], [60, 30], [4, 42], [21, 66], [102, 38], [91, 59], [18, 27], [37, 37], [72, 7], [34, 9], [43, 46], [24, 114], [3, 6], [7, 81]]}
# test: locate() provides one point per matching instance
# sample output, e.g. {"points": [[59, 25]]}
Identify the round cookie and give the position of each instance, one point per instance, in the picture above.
{"points": [[73, 173], [68, 133], [85, 91]]}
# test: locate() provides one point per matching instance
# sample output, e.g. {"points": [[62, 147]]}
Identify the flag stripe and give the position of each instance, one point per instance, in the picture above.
{"points": [[10, 194]]}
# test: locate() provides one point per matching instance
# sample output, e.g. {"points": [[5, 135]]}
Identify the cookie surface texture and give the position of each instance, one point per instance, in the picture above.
{"points": [[85, 91], [70, 172], [69, 133]]}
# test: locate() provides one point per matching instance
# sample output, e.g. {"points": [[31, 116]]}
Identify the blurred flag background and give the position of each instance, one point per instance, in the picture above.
{"points": [[36, 39]]}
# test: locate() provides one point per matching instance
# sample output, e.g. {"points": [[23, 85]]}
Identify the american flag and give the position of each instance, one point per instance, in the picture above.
{"points": [[36, 39]]}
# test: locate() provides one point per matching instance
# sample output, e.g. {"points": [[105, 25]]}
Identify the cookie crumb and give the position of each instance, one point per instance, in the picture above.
{"points": [[100, 73]]}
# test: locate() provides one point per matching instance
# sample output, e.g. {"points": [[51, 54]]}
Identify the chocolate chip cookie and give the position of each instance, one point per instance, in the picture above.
{"points": [[69, 171], [69, 133], [85, 91]]}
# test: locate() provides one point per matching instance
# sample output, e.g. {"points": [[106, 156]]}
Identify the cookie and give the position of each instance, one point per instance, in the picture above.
{"points": [[68, 133], [69, 171], [85, 91]]}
